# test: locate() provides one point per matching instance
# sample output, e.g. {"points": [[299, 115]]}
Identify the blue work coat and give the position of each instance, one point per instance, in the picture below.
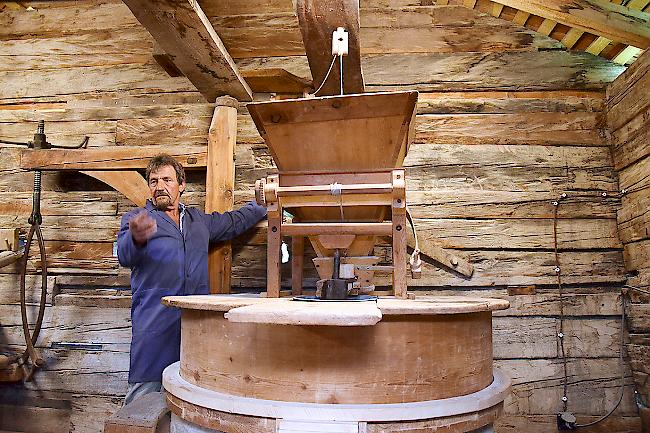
{"points": [[171, 263]]}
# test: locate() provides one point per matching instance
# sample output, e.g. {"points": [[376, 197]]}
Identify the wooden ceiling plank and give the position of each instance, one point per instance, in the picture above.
{"points": [[469, 3], [318, 20], [597, 46], [638, 5], [571, 37], [521, 17], [599, 17], [497, 8], [626, 55], [547, 27], [185, 33]]}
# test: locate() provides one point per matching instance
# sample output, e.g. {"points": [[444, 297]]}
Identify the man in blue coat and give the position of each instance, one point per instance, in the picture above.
{"points": [[166, 246]]}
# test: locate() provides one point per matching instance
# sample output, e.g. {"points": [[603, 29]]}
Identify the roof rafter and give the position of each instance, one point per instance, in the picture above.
{"points": [[599, 17], [186, 35]]}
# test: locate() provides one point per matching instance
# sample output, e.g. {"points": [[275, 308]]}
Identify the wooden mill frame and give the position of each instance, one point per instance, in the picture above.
{"points": [[291, 190]]}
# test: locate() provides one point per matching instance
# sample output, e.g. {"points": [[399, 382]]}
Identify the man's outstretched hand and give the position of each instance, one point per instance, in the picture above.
{"points": [[142, 227]]}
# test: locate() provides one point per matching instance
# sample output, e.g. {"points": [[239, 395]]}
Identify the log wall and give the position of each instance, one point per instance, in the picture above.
{"points": [[503, 129], [628, 116]]}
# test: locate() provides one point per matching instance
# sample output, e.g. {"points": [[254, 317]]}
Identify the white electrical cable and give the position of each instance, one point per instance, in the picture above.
{"points": [[326, 76], [341, 73], [336, 189]]}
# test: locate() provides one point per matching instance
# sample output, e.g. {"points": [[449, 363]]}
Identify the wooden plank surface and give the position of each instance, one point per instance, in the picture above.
{"points": [[185, 33]]}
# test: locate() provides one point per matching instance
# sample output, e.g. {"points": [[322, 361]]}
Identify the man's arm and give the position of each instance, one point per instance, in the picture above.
{"points": [[135, 229], [229, 225]]}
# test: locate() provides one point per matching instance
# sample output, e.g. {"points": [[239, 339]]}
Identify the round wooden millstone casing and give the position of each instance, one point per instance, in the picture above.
{"points": [[416, 352], [400, 359]]}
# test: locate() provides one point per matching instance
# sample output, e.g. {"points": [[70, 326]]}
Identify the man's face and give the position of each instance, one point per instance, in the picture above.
{"points": [[165, 189]]}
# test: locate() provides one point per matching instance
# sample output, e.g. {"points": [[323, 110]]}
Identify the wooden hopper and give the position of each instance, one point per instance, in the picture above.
{"points": [[357, 141], [349, 133]]}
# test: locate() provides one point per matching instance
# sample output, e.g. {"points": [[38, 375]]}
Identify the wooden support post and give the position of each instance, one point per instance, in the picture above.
{"points": [[220, 185], [399, 234], [297, 260], [273, 269]]}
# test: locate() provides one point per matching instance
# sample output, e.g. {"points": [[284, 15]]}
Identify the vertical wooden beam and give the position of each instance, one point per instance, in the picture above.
{"points": [[220, 185], [297, 260], [274, 241], [273, 268], [318, 19], [399, 234]]}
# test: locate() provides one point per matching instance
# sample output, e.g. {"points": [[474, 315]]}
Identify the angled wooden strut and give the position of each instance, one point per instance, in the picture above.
{"points": [[130, 183], [318, 19], [599, 17], [184, 32]]}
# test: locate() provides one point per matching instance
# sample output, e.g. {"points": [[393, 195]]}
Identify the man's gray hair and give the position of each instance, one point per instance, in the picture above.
{"points": [[159, 161]]}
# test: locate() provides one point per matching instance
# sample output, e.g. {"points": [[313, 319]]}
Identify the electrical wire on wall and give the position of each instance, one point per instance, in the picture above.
{"points": [[565, 419]]}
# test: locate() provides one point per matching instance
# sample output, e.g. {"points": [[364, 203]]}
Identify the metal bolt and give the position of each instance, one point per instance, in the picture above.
{"points": [[623, 191], [398, 228], [557, 269], [555, 203], [563, 195], [274, 229], [604, 194], [560, 335], [565, 398]]}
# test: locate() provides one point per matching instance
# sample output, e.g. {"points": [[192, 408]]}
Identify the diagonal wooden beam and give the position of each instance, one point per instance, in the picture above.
{"points": [[599, 17], [128, 182], [318, 19], [181, 28]]}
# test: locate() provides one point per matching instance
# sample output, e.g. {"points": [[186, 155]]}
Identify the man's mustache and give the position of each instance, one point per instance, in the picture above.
{"points": [[161, 194]]}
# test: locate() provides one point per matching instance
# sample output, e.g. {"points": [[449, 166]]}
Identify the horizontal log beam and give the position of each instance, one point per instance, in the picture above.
{"points": [[312, 229], [116, 158], [185, 33]]}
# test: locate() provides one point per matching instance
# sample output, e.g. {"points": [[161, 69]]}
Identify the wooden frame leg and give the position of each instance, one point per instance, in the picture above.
{"points": [[273, 276], [297, 260], [399, 255]]}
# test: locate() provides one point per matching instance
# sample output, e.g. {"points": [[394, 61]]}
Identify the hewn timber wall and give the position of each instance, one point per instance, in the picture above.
{"points": [[628, 120], [504, 127]]}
